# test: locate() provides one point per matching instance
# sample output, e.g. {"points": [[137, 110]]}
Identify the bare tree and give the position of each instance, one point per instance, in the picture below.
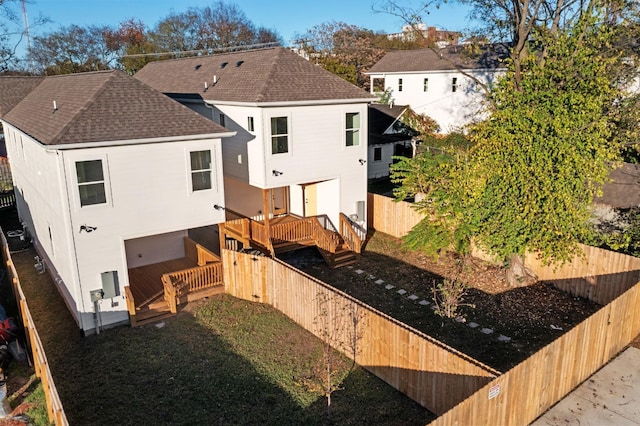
{"points": [[339, 323]]}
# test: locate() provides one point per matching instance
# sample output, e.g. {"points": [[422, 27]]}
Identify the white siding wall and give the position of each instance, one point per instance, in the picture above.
{"points": [[452, 110], [379, 169], [317, 153], [149, 193], [42, 204]]}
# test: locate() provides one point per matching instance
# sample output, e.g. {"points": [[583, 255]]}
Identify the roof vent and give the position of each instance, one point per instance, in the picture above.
{"points": [[197, 67], [239, 63], [215, 79], [55, 106], [224, 64]]}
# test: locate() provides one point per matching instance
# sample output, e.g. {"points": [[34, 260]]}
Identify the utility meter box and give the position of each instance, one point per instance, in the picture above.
{"points": [[110, 285]]}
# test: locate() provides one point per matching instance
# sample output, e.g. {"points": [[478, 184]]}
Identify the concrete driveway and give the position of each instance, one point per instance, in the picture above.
{"points": [[611, 396]]}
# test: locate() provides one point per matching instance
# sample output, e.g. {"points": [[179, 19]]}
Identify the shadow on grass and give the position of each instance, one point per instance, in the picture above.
{"points": [[187, 373]]}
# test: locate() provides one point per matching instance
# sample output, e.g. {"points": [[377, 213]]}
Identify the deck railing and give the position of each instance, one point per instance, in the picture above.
{"points": [[319, 229], [198, 253], [178, 285], [350, 234], [131, 304]]}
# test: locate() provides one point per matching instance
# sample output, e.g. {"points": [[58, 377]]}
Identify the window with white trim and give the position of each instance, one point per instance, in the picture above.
{"points": [[399, 85], [425, 85], [222, 120], [200, 170], [250, 125], [279, 135], [91, 183], [352, 129], [454, 84]]}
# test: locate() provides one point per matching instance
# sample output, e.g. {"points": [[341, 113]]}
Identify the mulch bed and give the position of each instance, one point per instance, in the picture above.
{"points": [[531, 317]]}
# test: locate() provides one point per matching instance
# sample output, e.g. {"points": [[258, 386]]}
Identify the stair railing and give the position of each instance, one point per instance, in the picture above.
{"points": [[352, 236]]}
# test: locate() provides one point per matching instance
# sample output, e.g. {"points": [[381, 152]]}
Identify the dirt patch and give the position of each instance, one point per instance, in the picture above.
{"points": [[497, 324]]}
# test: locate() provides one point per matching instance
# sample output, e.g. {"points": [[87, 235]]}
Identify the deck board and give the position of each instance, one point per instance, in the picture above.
{"points": [[146, 281]]}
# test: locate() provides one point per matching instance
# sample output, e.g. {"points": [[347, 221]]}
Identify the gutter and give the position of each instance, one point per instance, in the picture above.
{"points": [[124, 142], [310, 102]]}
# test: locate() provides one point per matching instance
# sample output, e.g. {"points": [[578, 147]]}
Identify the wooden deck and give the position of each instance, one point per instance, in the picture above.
{"points": [[146, 281]]}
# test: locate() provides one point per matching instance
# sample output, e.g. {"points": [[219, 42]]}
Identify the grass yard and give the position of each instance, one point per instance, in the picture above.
{"points": [[221, 361]]}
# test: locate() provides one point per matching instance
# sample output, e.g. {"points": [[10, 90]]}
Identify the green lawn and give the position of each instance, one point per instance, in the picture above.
{"points": [[223, 361]]}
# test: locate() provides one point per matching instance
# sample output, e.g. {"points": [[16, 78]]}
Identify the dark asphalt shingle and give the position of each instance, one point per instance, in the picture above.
{"points": [[251, 76], [103, 106]]}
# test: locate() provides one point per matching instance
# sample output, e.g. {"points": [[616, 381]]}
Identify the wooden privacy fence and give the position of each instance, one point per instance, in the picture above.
{"points": [[426, 370], [391, 217], [529, 389], [54, 405], [525, 392]]}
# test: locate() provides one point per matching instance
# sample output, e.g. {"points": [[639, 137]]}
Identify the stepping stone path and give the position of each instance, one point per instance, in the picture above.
{"points": [[424, 302]]}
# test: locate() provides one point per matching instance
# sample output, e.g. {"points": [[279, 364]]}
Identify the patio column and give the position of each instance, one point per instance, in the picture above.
{"points": [[266, 210]]}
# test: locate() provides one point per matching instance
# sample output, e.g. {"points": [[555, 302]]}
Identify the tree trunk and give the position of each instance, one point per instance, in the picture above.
{"points": [[519, 275]]}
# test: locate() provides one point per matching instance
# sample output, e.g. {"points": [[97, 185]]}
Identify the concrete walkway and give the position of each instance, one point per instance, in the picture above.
{"points": [[611, 396]]}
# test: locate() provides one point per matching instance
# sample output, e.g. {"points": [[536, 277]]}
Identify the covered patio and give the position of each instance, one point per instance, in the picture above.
{"points": [[156, 290]]}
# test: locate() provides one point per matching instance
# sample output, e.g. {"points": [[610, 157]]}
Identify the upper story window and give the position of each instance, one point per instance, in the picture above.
{"points": [[279, 135], [200, 170], [250, 125], [91, 182], [222, 121], [352, 129], [454, 84], [399, 85], [425, 85]]}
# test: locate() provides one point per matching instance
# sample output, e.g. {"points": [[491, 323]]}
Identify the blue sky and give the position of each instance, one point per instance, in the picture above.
{"points": [[285, 16]]}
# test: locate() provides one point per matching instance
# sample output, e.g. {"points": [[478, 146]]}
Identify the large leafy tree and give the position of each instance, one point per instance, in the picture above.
{"points": [[218, 26], [344, 49], [536, 163], [73, 49]]}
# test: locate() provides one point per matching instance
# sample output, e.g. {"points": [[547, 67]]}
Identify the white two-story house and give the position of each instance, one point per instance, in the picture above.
{"points": [[444, 84], [300, 147], [110, 175]]}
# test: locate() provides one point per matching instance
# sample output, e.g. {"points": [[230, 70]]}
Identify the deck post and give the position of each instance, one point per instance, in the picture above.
{"points": [[266, 210]]}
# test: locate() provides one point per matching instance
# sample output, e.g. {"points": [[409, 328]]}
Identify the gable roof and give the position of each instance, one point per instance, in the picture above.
{"points": [[449, 58], [381, 118], [252, 76], [13, 89], [103, 106]]}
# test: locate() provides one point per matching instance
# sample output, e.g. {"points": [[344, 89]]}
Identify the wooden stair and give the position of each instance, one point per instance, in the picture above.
{"points": [[155, 311], [342, 257]]}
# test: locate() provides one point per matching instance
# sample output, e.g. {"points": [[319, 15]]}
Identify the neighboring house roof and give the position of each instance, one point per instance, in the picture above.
{"points": [[251, 76], [624, 189], [449, 58], [381, 119], [13, 89], [103, 106]]}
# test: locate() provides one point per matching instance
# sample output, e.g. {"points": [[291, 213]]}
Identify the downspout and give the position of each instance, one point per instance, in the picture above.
{"points": [[73, 239]]}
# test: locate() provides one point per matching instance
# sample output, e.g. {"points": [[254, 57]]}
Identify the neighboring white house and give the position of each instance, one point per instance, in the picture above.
{"points": [[440, 83], [109, 175], [301, 132], [388, 137]]}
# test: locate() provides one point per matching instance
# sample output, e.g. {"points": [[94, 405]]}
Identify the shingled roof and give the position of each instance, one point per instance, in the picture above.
{"points": [[13, 89], [103, 106], [252, 76], [381, 117], [446, 59]]}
